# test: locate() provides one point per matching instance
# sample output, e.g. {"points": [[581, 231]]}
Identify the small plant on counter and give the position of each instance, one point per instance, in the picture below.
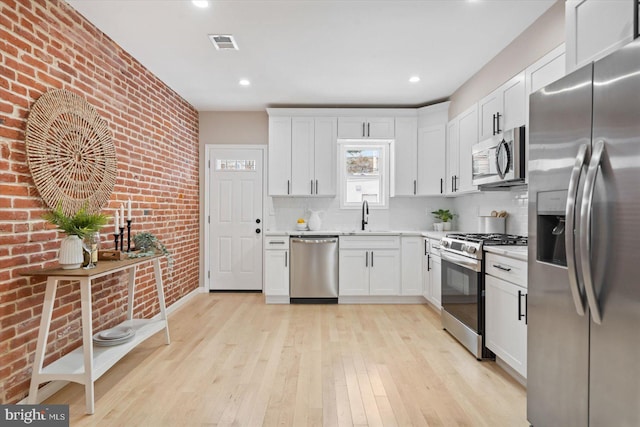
{"points": [[443, 215], [149, 244]]}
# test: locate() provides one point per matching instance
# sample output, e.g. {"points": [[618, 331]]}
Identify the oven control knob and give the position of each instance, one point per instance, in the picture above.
{"points": [[471, 250], [463, 247], [444, 244]]}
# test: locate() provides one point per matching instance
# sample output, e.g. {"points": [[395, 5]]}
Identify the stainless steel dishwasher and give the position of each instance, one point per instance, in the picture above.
{"points": [[314, 269]]}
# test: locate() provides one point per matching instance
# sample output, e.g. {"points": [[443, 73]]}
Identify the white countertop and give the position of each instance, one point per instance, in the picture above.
{"points": [[423, 233], [517, 252]]}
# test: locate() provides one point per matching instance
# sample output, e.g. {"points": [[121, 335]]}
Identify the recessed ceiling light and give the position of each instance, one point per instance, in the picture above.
{"points": [[200, 3], [244, 82], [414, 79]]}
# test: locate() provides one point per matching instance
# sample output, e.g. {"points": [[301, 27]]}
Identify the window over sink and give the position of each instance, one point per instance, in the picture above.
{"points": [[364, 173]]}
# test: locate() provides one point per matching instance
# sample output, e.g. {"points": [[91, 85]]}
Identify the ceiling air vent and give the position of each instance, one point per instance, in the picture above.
{"points": [[223, 41]]}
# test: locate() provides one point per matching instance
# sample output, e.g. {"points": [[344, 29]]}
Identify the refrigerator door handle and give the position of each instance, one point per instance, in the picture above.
{"points": [[585, 226], [574, 181]]}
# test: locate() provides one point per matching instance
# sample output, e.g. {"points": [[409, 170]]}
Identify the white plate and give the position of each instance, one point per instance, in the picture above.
{"points": [[118, 332], [109, 343]]}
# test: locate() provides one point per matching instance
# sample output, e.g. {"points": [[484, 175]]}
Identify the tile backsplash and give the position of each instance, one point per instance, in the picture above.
{"points": [[515, 202], [404, 213]]}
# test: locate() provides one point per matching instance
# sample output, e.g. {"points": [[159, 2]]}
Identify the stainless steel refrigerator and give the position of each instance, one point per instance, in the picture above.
{"points": [[584, 247]]}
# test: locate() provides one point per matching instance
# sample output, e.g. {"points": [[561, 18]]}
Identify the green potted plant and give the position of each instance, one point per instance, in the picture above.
{"points": [[147, 243], [76, 227], [445, 216]]}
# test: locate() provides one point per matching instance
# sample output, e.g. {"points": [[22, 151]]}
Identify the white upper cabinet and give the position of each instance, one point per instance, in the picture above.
{"points": [[595, 28], [432, 143], [546, 70], [302, 156], [467, 137], [366, 127], [406, 164], [419, 147], [325, 149], [502, 109], [279, 156], [453, 160]]}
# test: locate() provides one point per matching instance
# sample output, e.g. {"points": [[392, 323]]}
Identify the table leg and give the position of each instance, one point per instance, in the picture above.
{"points": [[132, 281], [87, 341], [43, 333], [163, 311]]}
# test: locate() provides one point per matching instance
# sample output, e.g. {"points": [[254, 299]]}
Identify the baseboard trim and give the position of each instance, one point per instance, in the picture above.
{"points": [[381, 299], [511, 372]]}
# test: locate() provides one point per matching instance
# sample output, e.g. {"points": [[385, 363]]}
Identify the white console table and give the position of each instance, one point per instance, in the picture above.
{"points": [[86, 364]]}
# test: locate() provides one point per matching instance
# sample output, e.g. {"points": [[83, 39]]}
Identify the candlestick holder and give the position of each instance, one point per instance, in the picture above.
{"points": [[128, 235], [115, 239], [121, 239]]}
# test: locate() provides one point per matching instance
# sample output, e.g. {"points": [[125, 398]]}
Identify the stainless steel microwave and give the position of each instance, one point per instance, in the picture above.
{"points": [[499, 161]]}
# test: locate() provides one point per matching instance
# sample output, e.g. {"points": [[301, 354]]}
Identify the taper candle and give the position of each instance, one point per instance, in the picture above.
{"points": [[129, 210], [116, 225], [121, 215]]}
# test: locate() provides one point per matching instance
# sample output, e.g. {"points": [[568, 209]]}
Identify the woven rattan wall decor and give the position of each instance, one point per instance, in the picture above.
{"points": [[70, 152]]}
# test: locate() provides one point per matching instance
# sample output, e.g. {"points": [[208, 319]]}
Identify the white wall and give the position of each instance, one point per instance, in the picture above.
{"points": [[545, 34]]}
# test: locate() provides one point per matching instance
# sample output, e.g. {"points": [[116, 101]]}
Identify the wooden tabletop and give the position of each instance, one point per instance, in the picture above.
{"points": [[102, 268]]}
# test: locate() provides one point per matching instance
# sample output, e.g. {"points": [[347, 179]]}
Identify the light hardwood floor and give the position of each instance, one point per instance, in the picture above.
{"points": [[235, 361]]}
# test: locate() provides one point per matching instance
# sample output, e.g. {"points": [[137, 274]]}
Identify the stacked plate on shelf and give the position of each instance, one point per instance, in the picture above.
{"points": [[114, 336]]}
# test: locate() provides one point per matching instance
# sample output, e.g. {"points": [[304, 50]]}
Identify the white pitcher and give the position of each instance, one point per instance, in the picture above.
{"points": [[314, 220]]}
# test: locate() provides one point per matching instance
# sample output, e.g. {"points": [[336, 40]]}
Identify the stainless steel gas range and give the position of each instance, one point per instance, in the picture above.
{"points": [[463, 286]]}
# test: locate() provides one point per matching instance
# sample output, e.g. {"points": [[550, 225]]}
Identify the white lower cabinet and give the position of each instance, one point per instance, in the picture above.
{"points": [[276, 268], [435, 273], [432, 270], [411, 283], [369, 265], [506, 314]]}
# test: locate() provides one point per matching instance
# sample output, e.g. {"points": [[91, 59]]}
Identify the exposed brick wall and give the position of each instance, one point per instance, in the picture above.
{"points": [[45, 44]]}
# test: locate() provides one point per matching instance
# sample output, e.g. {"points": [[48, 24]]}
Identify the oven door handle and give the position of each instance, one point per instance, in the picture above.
{"points": [[468, 263]]}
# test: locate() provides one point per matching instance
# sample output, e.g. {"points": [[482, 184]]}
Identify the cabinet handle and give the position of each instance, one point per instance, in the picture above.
{"points": [[526, 308], [368, 129], [498, 123], [456, 181], [316, 186], [366, 259], [363, 134], [499, 267], [415, 183], [425, 247], [276, 242], [441, 182], [286, 256], [311, 186], [288, 191], [429, 262], [371, 258], [452, 178], [520, 314], [493, 124]]}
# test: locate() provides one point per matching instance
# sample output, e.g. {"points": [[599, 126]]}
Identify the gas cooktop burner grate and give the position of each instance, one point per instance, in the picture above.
{"points": [[490, 239]]}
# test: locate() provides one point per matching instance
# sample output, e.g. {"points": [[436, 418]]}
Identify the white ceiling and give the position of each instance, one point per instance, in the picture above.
{"points": [[311, 52]]}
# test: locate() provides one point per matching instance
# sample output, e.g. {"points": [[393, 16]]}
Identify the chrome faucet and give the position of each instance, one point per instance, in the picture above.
{"points": [[365, 221]]}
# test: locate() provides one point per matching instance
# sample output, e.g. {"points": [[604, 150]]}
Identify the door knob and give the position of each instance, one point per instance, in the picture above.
{"points": [[258, 230], [258, 221]]}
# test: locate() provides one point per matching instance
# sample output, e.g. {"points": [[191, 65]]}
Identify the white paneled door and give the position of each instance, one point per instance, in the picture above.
{"points": [[235, 219]]}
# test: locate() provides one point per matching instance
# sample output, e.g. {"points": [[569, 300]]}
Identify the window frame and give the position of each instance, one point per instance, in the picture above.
{"points": [[384, 168]]}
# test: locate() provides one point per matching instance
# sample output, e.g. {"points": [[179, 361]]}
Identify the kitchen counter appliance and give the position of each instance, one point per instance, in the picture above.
{"points": [[313, 274], [499, 161], [463, 286], [584, 217]]}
